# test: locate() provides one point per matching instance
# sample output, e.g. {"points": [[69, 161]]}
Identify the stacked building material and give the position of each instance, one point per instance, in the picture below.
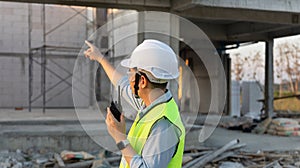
{"points": [[284, 127]]}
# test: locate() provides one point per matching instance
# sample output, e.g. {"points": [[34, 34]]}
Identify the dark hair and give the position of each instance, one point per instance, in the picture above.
{"points": [[155, 85]]}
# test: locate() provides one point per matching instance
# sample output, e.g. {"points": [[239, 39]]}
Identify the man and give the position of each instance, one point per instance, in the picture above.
{"points": [[156, 138]]}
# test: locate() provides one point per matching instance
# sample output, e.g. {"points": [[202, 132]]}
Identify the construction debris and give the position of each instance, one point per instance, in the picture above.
{"points": [[18, 159], [262, 127], [59, 160], [70, 155], [232, 155], [245, 124], [278, 126], [231, 165], [208, 157], [44, 158]]}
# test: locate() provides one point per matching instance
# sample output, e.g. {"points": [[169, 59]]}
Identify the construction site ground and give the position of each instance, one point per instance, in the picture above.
{"points": [[65, 121], [59, 129]]}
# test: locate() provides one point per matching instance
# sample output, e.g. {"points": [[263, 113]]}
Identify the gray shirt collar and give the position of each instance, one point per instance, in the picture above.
{"points": [[162, 99]]}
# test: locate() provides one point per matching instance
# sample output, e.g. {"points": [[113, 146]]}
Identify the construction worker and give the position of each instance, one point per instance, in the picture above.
{"points": [[156, 138]]}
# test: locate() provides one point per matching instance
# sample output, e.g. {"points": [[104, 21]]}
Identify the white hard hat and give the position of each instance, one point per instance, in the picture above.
{"points": [[156, 58]]}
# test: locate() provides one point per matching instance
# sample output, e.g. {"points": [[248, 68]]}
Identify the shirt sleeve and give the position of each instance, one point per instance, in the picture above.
{"points": [[159, 147], [128, 95]]}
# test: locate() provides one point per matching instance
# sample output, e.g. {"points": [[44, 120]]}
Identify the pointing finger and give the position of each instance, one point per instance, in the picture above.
{"points": [[89, 44]]}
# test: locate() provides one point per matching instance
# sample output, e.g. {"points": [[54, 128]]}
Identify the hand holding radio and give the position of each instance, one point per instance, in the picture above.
{"points": [[116, 107], [115, 111]]}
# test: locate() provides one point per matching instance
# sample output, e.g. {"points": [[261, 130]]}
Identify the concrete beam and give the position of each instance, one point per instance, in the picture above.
{"points": [[286, 32], [265, 5], [249, 28], [247, 15], [181, 5], [267, 11], [264, 35], [244, 31], [154, 5], [216, 32]]}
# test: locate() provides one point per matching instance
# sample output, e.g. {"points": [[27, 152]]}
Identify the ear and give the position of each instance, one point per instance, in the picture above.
{"points": [[143, 82]]}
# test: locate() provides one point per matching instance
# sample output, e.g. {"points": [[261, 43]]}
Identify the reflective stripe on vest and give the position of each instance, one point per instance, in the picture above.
{"points": [[141, 128]]}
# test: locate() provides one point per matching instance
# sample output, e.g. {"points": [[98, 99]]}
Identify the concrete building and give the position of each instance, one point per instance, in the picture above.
{"points": [[63, 40], [226, 23], [251, 94]]}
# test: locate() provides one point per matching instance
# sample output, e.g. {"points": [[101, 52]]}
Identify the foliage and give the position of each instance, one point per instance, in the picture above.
{"points": [[248, 67], [291, 104], [287, 65]]}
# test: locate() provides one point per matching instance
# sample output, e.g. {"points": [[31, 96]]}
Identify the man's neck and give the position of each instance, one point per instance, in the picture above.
{"points": [[152, 95]]}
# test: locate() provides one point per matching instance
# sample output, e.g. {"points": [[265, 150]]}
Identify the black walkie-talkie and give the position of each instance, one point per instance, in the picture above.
{"points": [[115, 107]]}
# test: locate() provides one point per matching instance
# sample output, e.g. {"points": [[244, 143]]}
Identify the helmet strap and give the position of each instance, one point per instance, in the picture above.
{"points": [[136, 85]]}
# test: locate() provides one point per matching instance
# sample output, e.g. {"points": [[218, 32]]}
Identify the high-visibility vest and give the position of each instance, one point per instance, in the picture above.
{"points": [[141, 128]]}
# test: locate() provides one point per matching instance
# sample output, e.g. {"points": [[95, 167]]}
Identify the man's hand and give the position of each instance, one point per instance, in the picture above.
{"points": [[115, 128], [93, 52]]}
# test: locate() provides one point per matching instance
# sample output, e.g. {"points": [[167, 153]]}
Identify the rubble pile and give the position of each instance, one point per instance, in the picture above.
{"points": [[232, 155], [45, 158], [246, 124], [19, 159], [276, 126]]}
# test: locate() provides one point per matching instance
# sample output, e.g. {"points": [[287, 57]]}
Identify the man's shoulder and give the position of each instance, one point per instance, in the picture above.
{"points": [[164, 124]]}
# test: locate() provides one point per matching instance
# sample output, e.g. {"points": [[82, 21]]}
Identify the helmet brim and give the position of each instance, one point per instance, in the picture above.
{"points": [[126, 63]]}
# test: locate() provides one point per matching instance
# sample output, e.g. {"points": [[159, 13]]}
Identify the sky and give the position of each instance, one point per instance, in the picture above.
{"points": [[260, 47]]}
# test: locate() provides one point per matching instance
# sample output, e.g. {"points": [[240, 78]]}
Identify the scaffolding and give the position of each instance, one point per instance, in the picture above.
{"points": [[40, 54]]}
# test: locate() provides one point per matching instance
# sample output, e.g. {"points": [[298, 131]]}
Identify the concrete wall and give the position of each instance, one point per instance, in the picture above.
{"points": [[160, 25], [13, 81], [120, 30], [14, 27], [235, 99], [130, 28], [203, 83], [14, 76], [251, 93], [14, 52]]}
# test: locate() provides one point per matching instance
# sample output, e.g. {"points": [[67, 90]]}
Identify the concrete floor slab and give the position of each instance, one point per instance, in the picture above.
{"points": [[254, 142], [61, 128]]}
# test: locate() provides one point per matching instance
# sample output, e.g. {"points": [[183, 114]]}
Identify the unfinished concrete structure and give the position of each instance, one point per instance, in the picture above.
{"points": [[225, 22], [23, 32]]}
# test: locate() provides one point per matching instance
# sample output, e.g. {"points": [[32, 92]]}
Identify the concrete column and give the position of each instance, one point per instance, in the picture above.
{"points": [[269, 79], [90, 28], [141, 27], [163, 27], [235, 109], [174, 43], [102, 80], [251, 93], [227, 67]]}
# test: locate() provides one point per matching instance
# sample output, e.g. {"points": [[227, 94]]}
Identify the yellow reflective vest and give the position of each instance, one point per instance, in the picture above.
{"points": [[141, 128]]}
